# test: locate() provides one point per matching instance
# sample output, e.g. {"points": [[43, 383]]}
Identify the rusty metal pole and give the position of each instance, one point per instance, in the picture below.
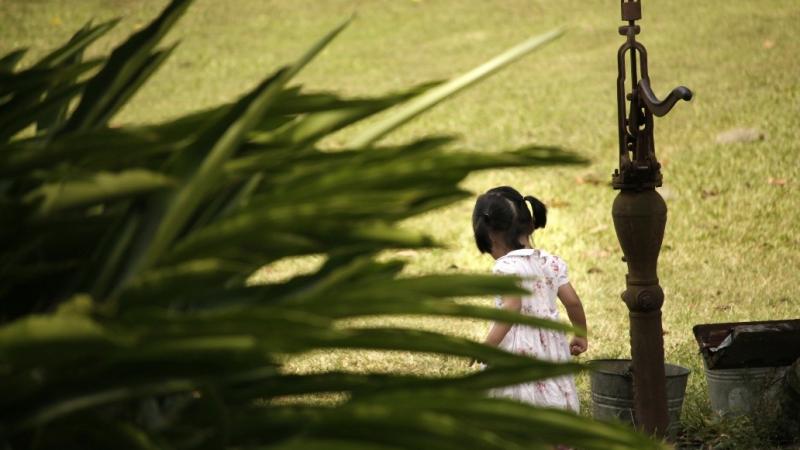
{"points": [[640, 216]]}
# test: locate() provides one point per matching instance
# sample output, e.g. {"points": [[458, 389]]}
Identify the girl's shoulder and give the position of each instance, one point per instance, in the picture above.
{"points": [[515, 261], [512, 262], [554, 267]]}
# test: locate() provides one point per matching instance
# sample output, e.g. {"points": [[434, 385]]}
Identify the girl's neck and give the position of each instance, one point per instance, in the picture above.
{"points": [[499, 249]]}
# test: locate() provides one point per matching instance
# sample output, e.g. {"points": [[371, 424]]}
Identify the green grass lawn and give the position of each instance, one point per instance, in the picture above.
{"points": [[731, 246]]}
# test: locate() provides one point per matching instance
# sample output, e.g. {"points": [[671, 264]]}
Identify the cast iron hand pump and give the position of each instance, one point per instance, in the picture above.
{"points": [[638, 166], [640, 216]]}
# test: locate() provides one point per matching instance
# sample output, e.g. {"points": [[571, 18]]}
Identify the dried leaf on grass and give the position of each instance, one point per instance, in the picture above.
{"points": [[590, 178], [740, 136], [557, 203]]}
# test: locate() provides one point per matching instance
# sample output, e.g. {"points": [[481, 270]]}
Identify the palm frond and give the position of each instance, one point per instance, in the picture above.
{"points": [[126, 315]]}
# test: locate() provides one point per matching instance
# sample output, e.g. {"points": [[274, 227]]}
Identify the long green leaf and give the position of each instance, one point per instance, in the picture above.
{"points": [[427, 100], [510, 418], [99, 188], [34, 339], [100, 273], [124, 64], [351, 309], [368, 384], [257, 241], [31, 83], [187, 281], [147, 69], [374, 424], [76, 45], [9, 61], [222, 359], [226, 203], [104, 149], [204, 159], [29, 86], [411, 341], [73, 404], [54, 102], [57, 115], [315, 125]]}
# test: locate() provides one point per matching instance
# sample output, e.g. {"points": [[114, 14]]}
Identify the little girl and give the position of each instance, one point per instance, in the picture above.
{"points": [[503, 226]]}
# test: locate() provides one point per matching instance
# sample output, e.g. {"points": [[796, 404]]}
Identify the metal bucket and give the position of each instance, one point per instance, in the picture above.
{"points": [[612, 392], [739, 391]]}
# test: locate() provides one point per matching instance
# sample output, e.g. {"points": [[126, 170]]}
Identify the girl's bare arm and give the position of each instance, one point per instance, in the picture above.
{"points": [[571, 301], [500, 329]]}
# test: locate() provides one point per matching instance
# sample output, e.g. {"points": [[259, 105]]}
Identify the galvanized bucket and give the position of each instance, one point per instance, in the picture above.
{"points": [[612, 392], [740, 391]]}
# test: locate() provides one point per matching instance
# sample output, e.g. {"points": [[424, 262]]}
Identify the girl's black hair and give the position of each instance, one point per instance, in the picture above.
{"points": [[503, 210]]}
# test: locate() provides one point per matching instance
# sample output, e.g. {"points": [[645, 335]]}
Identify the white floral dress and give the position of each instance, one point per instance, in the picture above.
{"points": [[542, 274]]}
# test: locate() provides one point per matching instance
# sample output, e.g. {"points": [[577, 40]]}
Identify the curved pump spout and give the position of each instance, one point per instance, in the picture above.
{"points": [[660, 108]]}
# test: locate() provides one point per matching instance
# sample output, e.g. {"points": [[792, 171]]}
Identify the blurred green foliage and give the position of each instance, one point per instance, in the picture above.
{"points": [[127, 319]]}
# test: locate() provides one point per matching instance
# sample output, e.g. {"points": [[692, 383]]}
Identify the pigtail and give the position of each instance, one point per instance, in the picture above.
{"points": [[538, 212], [480, 228]]}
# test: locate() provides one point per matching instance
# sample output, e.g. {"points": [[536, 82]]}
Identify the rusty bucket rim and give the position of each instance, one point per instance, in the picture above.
{"points": [[594, 366]]}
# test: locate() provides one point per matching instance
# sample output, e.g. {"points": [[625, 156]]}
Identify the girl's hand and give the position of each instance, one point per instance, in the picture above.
{"points": [[578, 345]]}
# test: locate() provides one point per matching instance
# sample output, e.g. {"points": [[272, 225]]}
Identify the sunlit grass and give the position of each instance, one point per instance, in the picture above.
{"points": [[731, 246]]}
